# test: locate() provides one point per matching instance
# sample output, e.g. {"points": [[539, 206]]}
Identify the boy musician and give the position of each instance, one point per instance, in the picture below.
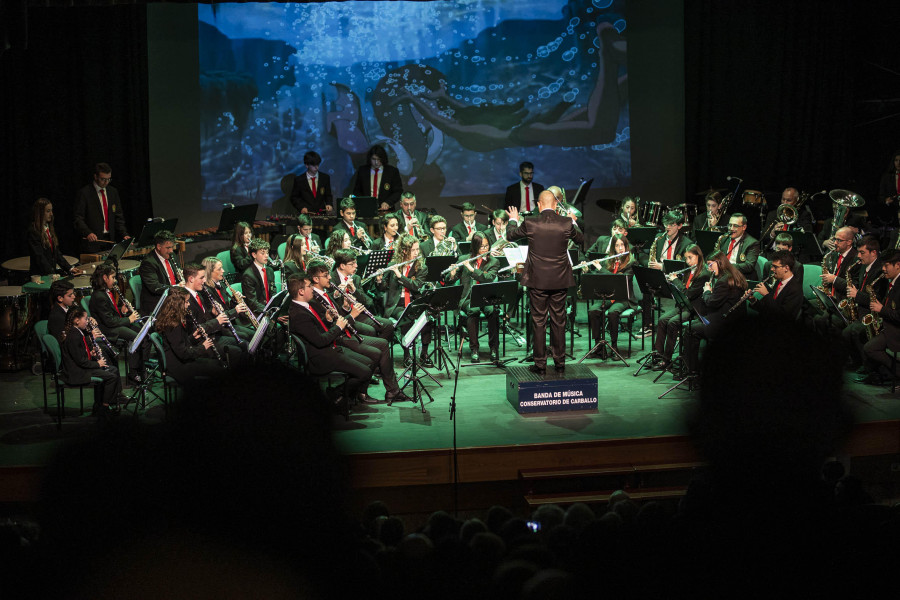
{"points": [[463, 232]]}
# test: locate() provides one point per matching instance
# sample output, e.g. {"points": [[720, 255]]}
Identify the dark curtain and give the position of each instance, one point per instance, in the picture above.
{"points": [[76, 95]]}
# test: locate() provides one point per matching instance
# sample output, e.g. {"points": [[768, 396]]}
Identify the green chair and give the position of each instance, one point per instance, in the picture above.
{"points": [[281, 248], [137, 286], [40, 330], [85, 304], [231, 273], [169, 383], [53, 349]]}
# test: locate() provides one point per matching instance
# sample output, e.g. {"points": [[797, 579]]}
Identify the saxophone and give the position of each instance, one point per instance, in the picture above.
{"points": [[872, 322], [653, 247], [848, 305], [822, 287]]}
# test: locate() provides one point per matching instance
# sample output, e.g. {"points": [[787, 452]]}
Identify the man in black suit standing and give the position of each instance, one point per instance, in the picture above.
{"points": [[98, 212], [378, 179], [548, 276], [524, 193], [311, 191]]}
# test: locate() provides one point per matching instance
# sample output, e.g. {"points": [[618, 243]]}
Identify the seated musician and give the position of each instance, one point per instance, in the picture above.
{"points": [[722, 297], [347, 280], [338, 240], [865, 282], [62, 297], [604, 243], [43, 245], [294, 255], [411, 221], [117, 321], [836, 264], [237, 311], [785, 300], [389, 225], [611, 313], [188, 353], [669, 326], [311, 191], [887, 307], [482, 270], [740, 249], [499, 223], [376, 349], [857, 224], [240, 246], [82, 359], [669, 245], [320, 338], [158, 271], [357, 231], [803, 221], [439, 244], [463, 232], [627, 212], [258, 280], [711, 220], [402, 285], [216, 323], [311, 241]]}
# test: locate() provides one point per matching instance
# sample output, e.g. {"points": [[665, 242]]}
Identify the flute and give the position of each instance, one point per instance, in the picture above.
{"points": [[587, 263], [385, 270]]}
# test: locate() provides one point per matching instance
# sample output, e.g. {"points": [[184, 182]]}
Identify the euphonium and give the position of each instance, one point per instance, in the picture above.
{"points": [[446, 247], [329, 262]]}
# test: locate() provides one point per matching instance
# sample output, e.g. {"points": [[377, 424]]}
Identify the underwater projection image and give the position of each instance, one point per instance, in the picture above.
{"points": [[458, 93]]}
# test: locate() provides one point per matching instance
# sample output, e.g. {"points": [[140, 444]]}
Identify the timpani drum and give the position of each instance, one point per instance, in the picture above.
{"points": [[652, 213], [17, 315], [83, 287], [753, 198], [689, 211]]}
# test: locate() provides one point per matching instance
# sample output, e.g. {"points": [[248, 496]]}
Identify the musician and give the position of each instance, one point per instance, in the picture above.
{"points": [[612, 314], [412, 221], [499, 226], [240, 246], [671, 244], [98, 212], [669, 325], [402, 285], [567, 209], [628, 212], [524, 193], [889, 190], [43, 245], [82, 360], [711, 220], [379, 179], [215, 323], [866, 273], [218, 289], [389, 225], [785, 300], [188, 354], [438, 227], [346, 279], [258, 280], [376, 349], [604, 243], [62, 297], [311, 240], [338, 240], [856, 223], [463, 232], [742, 250], [547, 275], [888, 308], [843, 256], [311, 191], [116, 321], [294, 255], [724, 290], [482, 270], [157, 271], [804, 221], [357, 231]]}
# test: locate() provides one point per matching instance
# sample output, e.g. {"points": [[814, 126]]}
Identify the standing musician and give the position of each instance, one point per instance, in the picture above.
{"points": [[868, 272], [294, 255], [499, 226], [612, 314], [402, 285], [834, 279], [785, 300], [412, 221], [240, 246], [888, 308], [117, 321], [378, 179], [669, 326], [188, 353], [524, 193], [62, 297], [724, 291], [628, 212], [740, 249], [82, 359], [604, 243], [390, 225], [439, 239], [347, 280], [547, 275], [356, 231], [158, 271], [258, 280], [311, 241], [43, 245], [376, 349], [215, 323], [463, 232], [98, 212], [482, 270], [711, 220], [311, 191], [215, 282]]}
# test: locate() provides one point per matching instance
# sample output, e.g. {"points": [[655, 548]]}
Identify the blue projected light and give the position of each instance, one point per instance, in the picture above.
{"points": [[459, 93]]}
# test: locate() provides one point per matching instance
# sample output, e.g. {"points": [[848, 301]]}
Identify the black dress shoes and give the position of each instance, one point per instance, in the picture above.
{"points": [[538, 370], [560, 368], [475, 357], [425, 361], [399, 397], [366, 399], [495, 356]]}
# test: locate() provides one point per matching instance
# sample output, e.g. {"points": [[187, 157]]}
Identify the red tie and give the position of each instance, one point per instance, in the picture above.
{"points": [[325, 327], [406, 297], [375, 184], [527, 199], [784, 227], [116, 306], [312, 184], [778, 288], [86, 348], [266, 283], [730, 248], [669, 252], [49, 238], [468, 229], [105, 209], [307, 244], [335, 310], [221, 297], [197, 300], [352, 232], [408, 221], [687, 284], [837, 270], [171, 272]]}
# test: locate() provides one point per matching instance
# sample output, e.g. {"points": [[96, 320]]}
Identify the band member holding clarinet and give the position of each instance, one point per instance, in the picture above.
{"points": [[83, 359], [225, 295], [785, 299], [215, 319], [190, 352], [669, 326], [350, 285]]}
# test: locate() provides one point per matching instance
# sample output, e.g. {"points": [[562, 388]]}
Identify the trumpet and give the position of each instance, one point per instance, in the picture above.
{"points": [[221, 310], [385, 270], [418, 231], [96, 333], [240, 300], [364, 239]]}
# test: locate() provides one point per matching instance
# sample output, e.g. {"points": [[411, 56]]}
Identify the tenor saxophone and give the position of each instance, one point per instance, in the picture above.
{"points": [[872, 322], [822, 287]]}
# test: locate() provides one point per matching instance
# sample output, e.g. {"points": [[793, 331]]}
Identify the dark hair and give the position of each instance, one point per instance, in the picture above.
{"points": [[59, 288], [171, 314], [336, 241], [785, 238], [435, 220], [618, 223], [76, 312], [258, 244], [477, 239], [237, 236], [467, 206], [786, 257], [500, 214], [714, 196], [97, 276], [344, 257], [891, 256], [728, 270], [295, 282], [525, 165], [162, 236], [870, 243], [387, 219], [625, 241], [741, 216], [102, 167], [891, 168], [674, 217], [378, 151], [696, 251], [312, 158], [292, 254], [303, 220], [315, 268], [191, 270], [345, 204], [37, 223]]}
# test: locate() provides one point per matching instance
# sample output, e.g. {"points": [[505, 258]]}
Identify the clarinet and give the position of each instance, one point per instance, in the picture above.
{"points": [[178, 274], [345, 295], [331, 312], [221, 310], [95, 333], [125, 301], [205, 336]]}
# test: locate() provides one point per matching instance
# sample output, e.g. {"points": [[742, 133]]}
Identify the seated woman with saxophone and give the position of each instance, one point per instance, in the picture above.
{"points": [[669, 325], [390, 225], [885, 323], [723, 297], [473, 272], [190, 352], [240, 247], [83, 359], [228, 298], [611, 313], [117, 319], [402, 284]]}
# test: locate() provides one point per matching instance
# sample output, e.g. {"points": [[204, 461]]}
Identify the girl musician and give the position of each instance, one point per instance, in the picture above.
{"points": [[669, 325], [117, 321], [43, 245], [188, 353], [723, 292], [628, 212], [82, 359], [338, 240], [294, 256], [483, 270], [711, 220], [215, 283], [604, 243], [613, 313], [390, 225], [240, 244], [402, 285]]}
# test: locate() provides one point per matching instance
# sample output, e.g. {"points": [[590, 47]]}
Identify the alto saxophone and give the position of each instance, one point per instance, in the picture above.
{"points": [[822, 287], [653, 247], [872, 322], [848, 305]]}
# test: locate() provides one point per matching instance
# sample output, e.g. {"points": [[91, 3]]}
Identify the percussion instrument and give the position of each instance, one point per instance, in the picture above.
{"points": [[651, 213], [753, 198], [689, 211], [18, 312], [83, 287]]}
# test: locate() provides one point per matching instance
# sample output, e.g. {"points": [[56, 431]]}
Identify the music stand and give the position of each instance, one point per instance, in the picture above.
{"points": [[602, 287], [707, 240], [407, 319], [830, 305], [682, 300], [408, 342], [151, 228], [366, 206], [232, 215], [439, 301], [377, 260], [806, 244], [116, 253], [684, 305], [639, 236], [581, 193], [464, 247], [652, 283], [265, 319], [497, 294], [146, 385], [670, 266], [435, 266]]}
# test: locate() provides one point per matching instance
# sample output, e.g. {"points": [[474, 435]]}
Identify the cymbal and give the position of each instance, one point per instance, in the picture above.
{"points": [[710, 191], [478, 211], [610, 204]]}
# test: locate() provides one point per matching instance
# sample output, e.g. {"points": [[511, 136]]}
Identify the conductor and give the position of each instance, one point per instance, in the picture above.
{"points": [[548, 275]]}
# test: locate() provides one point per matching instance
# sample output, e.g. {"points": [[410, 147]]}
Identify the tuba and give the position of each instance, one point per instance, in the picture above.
{"points": [[843, 201]]}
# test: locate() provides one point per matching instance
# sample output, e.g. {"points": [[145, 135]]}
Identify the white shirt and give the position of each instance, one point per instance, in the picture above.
{"points": [[531, 197]]}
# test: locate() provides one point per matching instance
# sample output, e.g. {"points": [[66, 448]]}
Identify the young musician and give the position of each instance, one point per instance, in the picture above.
{"points": [[258, 280], [357, 231], [338, 240], [62, 297], [402, 285], [295, 255], [604, 243], [311, 191], [671, 244], [82, 359], [43, 245], [390, 226], [346, 279], [158, 271], [711, 220], [216, 323], [785, 300], [215, 281], [311, 241], [379, 179], [612, 314], [668, 328], [482, 270], [117, 321], [868, 273], [628, 212], [188, 353], [463, 232], [499, 223], [886, 306], [240, 246], [438, 227]]}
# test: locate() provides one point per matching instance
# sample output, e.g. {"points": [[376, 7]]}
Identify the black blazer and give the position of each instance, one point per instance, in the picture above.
{"points": [[154, 279], [840, 282], [393, 287], [56, 321], [748, 253], [89, 216], [420, 216], [181, 349], [681, 244], [390, 185], [461, 234], [253, 289], [302, 196], [378, 243], [76, 361], [547, 235], [890, 312], [240, 258], [44, 260], [320, 342], [105, 312], [864, 279], [720, 300], [788, 303], [513, 196], [486, 274], [202, 313], [602, 245]]}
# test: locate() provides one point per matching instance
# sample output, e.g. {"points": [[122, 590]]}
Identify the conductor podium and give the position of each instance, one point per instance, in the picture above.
{"points": [[527, 392]]}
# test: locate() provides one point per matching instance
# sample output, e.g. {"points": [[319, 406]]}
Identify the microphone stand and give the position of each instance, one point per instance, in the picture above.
{"points": [[453, 420]]}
